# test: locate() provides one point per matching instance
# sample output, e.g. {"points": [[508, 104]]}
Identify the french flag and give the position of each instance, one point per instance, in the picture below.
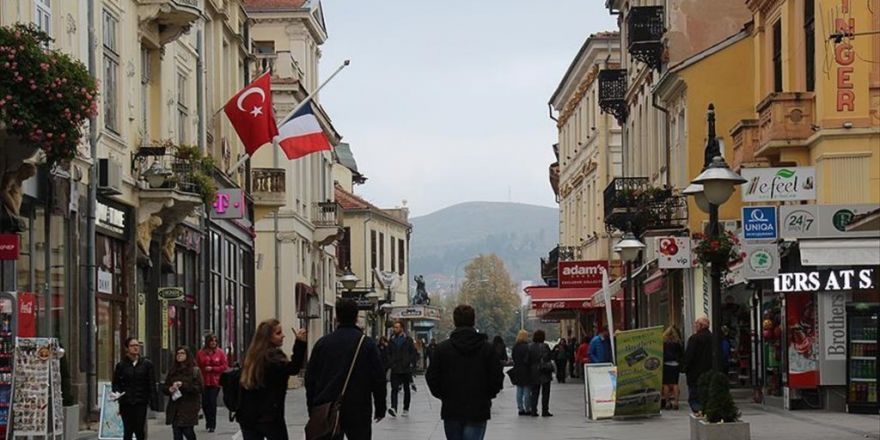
{"points": [[302, 134]]}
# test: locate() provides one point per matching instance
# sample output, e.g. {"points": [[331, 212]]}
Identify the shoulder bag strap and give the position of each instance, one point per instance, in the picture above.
{"points": [[351, 368]]}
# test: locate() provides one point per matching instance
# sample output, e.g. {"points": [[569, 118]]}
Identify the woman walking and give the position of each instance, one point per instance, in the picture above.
{"points": [[212, 363], [134, 383], [672, 353], [500, 349], [522, 373], [542, 373], [264, 377], [184, 384], [560, 356]]}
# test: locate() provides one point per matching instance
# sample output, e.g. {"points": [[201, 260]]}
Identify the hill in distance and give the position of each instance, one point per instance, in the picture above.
{"points": [[444, 241]]}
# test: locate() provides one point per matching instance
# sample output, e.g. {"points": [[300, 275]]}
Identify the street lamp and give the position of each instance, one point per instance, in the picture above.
{"points": [[349, 280], [628, 248], [713, 187]]}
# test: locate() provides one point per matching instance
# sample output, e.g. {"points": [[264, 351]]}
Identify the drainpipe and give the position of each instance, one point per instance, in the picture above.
{"points": [[202, 143], [277, 240], [91, 372]]}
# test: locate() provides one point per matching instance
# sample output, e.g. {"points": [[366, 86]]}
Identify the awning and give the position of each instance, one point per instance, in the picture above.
{"points": [[551, 298], [654, 282], [841, 252]]}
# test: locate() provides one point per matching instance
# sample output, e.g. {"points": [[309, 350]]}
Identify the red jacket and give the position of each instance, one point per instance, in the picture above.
{"points": [[581, 356], [212, 366]]}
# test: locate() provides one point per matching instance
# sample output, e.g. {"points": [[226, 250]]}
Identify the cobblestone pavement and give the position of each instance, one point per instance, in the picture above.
{"points": [[566, 404]]}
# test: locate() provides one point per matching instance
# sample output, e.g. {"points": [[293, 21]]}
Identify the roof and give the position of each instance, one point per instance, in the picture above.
{"points": [[593, 38], [350, 201], [259, 5]]}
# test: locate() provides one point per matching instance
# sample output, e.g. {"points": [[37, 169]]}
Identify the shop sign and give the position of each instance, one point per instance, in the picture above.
{"points": [[673, 252], [228, 204], [821, 221], [761, 261], [844, 57], [9, 247], [800, 316], [778, 184], [576, 274], [639, 355], [110, 218], [415, 312], [171, 293], [834, 326], [829, 280], [759, 222], [105, 282], [27, 315]]}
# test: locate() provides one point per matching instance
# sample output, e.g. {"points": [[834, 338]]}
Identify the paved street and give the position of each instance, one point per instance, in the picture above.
{"points": [[569, 423]]}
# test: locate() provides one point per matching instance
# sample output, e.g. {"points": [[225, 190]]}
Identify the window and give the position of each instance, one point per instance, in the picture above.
{"points": [[400, 256], [43, 15], [381, 251], [777, 56], [182, 111], [343, 250], [810, 43], [373, 249], [393, 257], [111, 68]]}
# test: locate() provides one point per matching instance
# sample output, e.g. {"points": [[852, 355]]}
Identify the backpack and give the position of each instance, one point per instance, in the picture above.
{"points": [[230, 381]]}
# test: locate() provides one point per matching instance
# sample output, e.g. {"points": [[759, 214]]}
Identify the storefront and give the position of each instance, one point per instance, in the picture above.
{"points": [[580, 308]]}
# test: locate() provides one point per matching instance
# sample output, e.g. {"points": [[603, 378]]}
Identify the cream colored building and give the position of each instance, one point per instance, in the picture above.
{"points": [[297, 228]]}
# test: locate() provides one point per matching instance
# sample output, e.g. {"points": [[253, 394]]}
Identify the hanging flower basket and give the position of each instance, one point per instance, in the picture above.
{"points": [[723, 249], [46, 96]]}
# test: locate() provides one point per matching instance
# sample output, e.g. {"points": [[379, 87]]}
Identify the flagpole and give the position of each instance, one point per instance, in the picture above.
{"points": [[299, 106]]}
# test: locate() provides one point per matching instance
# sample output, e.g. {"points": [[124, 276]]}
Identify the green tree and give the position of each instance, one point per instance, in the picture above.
{"points": [[487, 287]]}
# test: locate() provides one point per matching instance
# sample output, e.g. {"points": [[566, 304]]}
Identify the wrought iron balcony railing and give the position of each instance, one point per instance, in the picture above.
{"points": [[550, 266], [612, 93], [645, 29], [632, 204], [326, 214]]}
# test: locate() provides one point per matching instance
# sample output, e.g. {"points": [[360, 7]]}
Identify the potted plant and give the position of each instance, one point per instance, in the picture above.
{"points": [[723, 249], [720, 419]]}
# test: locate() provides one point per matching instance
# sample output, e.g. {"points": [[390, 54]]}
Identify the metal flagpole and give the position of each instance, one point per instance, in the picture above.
{"points": [[299, 106]]}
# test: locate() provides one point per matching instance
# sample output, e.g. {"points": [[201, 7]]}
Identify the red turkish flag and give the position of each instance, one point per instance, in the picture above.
{"points": [[250, 112]]}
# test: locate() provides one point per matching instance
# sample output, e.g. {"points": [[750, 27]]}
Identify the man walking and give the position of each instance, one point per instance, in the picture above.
{"points": [[329, 365], [465, 374], [697, 360], [402, 358], [600, 347]]}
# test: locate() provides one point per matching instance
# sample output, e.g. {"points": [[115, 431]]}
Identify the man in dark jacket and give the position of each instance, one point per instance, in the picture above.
{"points": [[697, 360], [134, 382], [402, 357], [465, 375], [329, 364]]}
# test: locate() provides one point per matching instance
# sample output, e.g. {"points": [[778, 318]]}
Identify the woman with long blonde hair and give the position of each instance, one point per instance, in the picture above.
{"points": [[264, 375], [521, 374], [672, 353]]}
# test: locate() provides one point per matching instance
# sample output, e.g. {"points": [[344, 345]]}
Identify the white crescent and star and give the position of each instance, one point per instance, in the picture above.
{"points": [[256, 110]]}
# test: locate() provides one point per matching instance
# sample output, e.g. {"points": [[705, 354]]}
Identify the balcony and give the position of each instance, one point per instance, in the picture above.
{"points": [[645, 28], [784, 120], [166, 20], [282, 64], [632, 204], [328, 222], [745, 135], [268, 186], [569, 253], [612, 93]]}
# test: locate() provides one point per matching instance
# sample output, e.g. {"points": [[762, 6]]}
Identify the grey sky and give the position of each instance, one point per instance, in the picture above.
{"points": [[446, 102]]}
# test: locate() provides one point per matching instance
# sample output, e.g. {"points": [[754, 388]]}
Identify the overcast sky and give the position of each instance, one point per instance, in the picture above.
{"points": [[446, 102]]}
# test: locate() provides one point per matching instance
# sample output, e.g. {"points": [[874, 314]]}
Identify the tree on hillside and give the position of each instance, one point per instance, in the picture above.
{"points": [[445, 326], [488, 288]]}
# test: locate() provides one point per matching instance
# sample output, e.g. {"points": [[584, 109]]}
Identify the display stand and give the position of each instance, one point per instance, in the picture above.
{"points": [[36, 396], [8, 325]]}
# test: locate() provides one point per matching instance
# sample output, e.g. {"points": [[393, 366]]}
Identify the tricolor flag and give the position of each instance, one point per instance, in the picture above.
{"points": [[302, 134]]}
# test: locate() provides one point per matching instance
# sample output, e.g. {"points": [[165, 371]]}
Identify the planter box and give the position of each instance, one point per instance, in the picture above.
{"points": [[71, 422], [701, 430]]}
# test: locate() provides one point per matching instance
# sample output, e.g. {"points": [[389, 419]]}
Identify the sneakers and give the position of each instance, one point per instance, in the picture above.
{"points": [[405, 413], [392, 412]]}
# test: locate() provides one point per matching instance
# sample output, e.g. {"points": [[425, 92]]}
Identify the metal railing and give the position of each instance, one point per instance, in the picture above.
{"points": [[326, 214]]}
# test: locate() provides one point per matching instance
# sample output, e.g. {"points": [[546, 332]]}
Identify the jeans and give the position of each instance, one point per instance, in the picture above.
{"points": [[183, 431], [694, 398], [524, 398], [276, 430], [134, 421], [209, 406], [459, 430], [396, 381], [544, 391]]}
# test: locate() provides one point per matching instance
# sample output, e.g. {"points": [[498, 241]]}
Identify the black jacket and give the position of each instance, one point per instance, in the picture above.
{"points": [[265, 404], [401, 359], [540, 356], [697, 356], [522, 368], [466, 375], [137, 381], [328, 366]]}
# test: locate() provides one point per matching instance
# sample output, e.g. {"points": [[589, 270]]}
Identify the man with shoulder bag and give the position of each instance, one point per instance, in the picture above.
{"points": [[345, 381]]}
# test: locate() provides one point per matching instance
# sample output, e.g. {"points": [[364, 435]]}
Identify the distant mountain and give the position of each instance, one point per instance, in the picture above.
{"points": [[443, 241]]}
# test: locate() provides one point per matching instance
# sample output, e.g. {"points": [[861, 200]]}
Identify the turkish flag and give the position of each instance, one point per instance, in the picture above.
{"points": [[250, 112]]}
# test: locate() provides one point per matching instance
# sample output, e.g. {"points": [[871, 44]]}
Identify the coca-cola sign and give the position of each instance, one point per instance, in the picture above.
{"points": [[578, 274], [9, 247]]}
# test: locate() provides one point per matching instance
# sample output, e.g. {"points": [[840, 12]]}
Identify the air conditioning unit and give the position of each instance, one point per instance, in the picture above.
{"points": [[726, 226], [109, 176]]}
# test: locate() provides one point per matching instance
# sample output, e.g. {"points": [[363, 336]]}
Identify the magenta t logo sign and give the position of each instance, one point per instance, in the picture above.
{"points": [[221, 203], [228, 204]]}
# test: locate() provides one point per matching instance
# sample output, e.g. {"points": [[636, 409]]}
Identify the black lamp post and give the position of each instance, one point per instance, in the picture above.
{"points": [[629, 248], [712, 188]]}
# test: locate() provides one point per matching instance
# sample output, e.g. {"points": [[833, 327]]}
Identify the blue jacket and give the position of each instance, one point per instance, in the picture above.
{"points": [[600, 350]]}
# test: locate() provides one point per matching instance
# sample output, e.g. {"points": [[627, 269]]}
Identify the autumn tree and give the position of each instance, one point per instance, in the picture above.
{"points": [[487, 287]]}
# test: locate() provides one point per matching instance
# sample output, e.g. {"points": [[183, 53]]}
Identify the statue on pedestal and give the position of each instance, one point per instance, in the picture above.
{"points": [[421, 296]]}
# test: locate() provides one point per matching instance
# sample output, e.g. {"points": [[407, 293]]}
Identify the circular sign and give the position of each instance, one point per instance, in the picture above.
{"points": [[841, 219], [761, 261]]}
